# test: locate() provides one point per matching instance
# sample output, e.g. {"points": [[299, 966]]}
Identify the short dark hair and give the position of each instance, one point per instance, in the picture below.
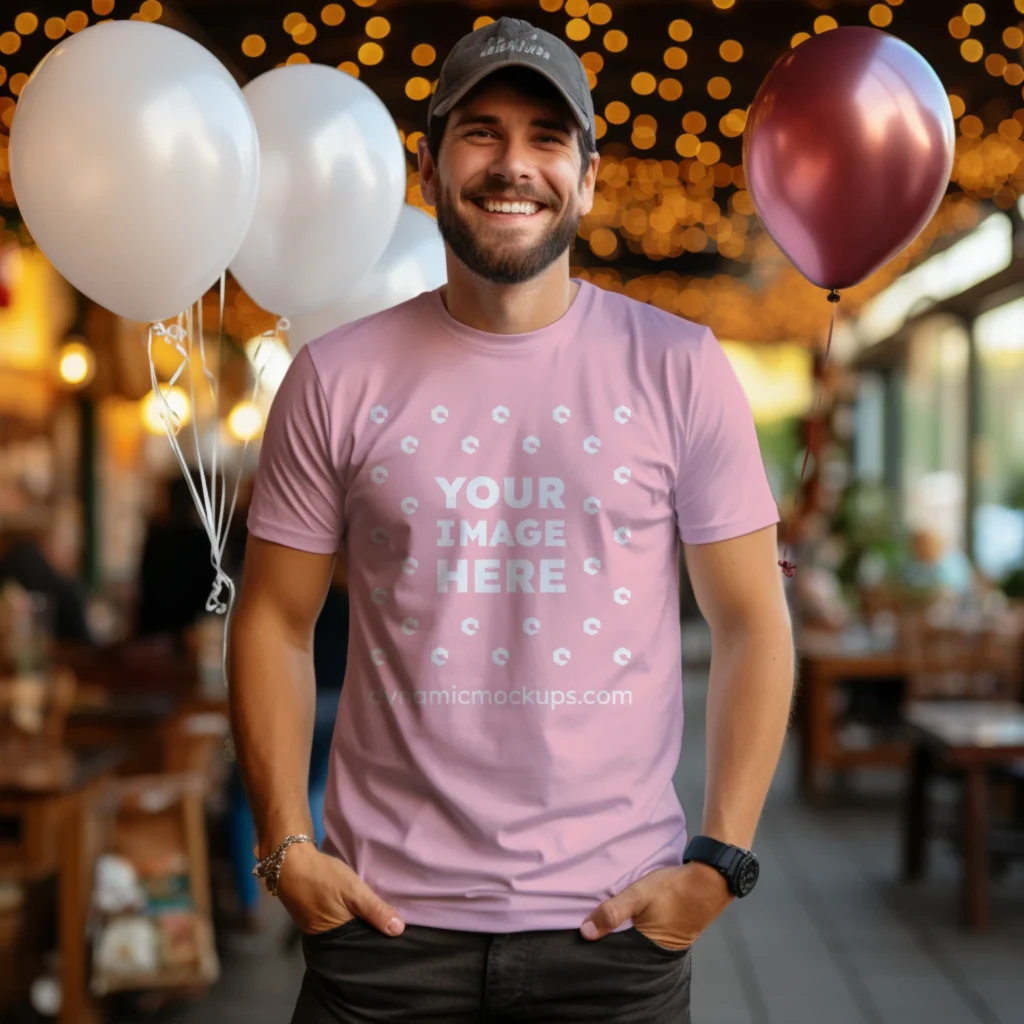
{"points": [[530, 84]]}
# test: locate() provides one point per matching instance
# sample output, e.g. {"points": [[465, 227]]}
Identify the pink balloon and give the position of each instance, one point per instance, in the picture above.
{"points": [[847, 152]]}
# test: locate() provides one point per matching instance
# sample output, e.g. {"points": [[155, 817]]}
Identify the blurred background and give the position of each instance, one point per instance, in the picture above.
{"points": [[892, 887]]}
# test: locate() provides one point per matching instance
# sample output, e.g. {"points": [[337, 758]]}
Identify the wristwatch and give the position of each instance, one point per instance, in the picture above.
{"points": [[737, 866]]}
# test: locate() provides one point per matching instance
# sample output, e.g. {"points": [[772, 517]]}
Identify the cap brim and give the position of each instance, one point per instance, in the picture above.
{"points": [[446, 105]]}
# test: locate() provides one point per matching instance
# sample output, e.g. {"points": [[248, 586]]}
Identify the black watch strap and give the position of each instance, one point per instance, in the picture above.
{"points": [[724, 857]]}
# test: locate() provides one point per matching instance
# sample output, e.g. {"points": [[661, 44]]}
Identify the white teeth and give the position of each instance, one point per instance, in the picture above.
{"points": [[505, 206]]}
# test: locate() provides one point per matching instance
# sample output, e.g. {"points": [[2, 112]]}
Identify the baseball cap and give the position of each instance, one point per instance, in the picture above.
{"points": [[511, 42]]}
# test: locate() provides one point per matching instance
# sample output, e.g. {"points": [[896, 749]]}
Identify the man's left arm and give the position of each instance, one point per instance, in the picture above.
{"points": [[738, 587], [727, 520]]}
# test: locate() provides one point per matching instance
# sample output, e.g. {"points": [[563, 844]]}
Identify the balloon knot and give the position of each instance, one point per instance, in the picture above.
{"points": [[214, 602], [833, 296], [788, 568]]}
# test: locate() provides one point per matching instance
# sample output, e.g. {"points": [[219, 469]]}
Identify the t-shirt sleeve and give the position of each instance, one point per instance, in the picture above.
{"points": [[298, 496], [721, 487]]}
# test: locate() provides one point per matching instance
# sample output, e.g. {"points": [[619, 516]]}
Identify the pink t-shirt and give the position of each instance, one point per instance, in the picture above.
{"points": [[510, 507]]}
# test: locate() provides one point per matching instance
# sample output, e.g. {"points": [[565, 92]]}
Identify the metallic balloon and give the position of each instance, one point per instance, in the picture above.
{"points": [[135, 163], [332, 184], [847, 152], [413, 262]]}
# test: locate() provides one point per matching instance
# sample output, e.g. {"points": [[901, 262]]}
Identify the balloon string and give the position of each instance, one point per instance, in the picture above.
{"points": [[215, 515], [789, 567]]}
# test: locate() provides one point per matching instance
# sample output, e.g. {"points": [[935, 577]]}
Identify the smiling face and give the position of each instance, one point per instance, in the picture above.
{"points": [[509, 182]]}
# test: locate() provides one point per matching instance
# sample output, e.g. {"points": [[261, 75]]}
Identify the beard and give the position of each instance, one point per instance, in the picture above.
{"points": [[507, 263]]}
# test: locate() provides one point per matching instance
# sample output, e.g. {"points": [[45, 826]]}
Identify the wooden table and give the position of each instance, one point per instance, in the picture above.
{"points": [[130, 721], [49, 806], [970, 737], [826, 660]]}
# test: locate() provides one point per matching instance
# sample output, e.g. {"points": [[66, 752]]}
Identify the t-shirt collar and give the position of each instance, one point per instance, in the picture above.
{"points": [[514, 344]]}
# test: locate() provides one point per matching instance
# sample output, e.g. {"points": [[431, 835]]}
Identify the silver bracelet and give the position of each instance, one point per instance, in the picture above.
{"points": [[269, 868]]}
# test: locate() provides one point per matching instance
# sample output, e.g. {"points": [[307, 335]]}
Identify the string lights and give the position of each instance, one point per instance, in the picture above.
{"points": [[671, 184]]}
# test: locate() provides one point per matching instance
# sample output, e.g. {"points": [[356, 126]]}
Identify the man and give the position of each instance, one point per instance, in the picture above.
{"points": [[509, 463]]}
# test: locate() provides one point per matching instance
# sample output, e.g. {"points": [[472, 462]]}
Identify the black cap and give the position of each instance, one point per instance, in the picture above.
{"points": [[511, 42]]}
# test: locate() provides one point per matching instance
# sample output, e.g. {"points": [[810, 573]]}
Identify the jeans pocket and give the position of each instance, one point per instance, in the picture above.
{"points": [[335, 932], [647, 941]]}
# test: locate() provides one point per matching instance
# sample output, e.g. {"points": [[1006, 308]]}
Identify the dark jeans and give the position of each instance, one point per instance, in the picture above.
{"points": [[354, 973]]}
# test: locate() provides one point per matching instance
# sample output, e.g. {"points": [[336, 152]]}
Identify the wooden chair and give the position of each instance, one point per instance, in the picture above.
{"points": [[961, 660]]}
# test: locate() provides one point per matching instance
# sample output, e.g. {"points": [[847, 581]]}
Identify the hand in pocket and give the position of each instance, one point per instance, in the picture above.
{"points": [[322, 893]]}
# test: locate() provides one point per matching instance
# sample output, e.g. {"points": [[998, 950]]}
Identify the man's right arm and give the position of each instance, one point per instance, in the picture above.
{"points": [[272, 699], [273, 692]]}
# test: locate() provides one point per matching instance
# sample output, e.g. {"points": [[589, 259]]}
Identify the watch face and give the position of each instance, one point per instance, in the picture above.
{"points": [[746, 876]]}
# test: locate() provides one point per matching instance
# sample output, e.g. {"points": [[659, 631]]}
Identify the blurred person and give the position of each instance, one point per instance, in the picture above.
{"points": [[494, 849], [937, 567], [25, 560], [175, 571]]}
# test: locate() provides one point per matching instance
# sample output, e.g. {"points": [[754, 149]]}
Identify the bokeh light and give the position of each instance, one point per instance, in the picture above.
{"points": [[417, 88], [644, 83], [670, 89], [694, 122], [617, 112], [974, 14], [171, 409], [254, 46], [371, 53], [77, 364], [577, 29], [423, 55], [332, 15], [972, 50], [676, 58], [245, 421], [731, 50], [680, 30], [615, 41], [880, 15], [719, 88]]}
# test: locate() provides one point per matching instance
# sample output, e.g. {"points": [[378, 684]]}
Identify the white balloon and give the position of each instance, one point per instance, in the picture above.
{"points": [[135, 162], [332, 183], [413, 262]]}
